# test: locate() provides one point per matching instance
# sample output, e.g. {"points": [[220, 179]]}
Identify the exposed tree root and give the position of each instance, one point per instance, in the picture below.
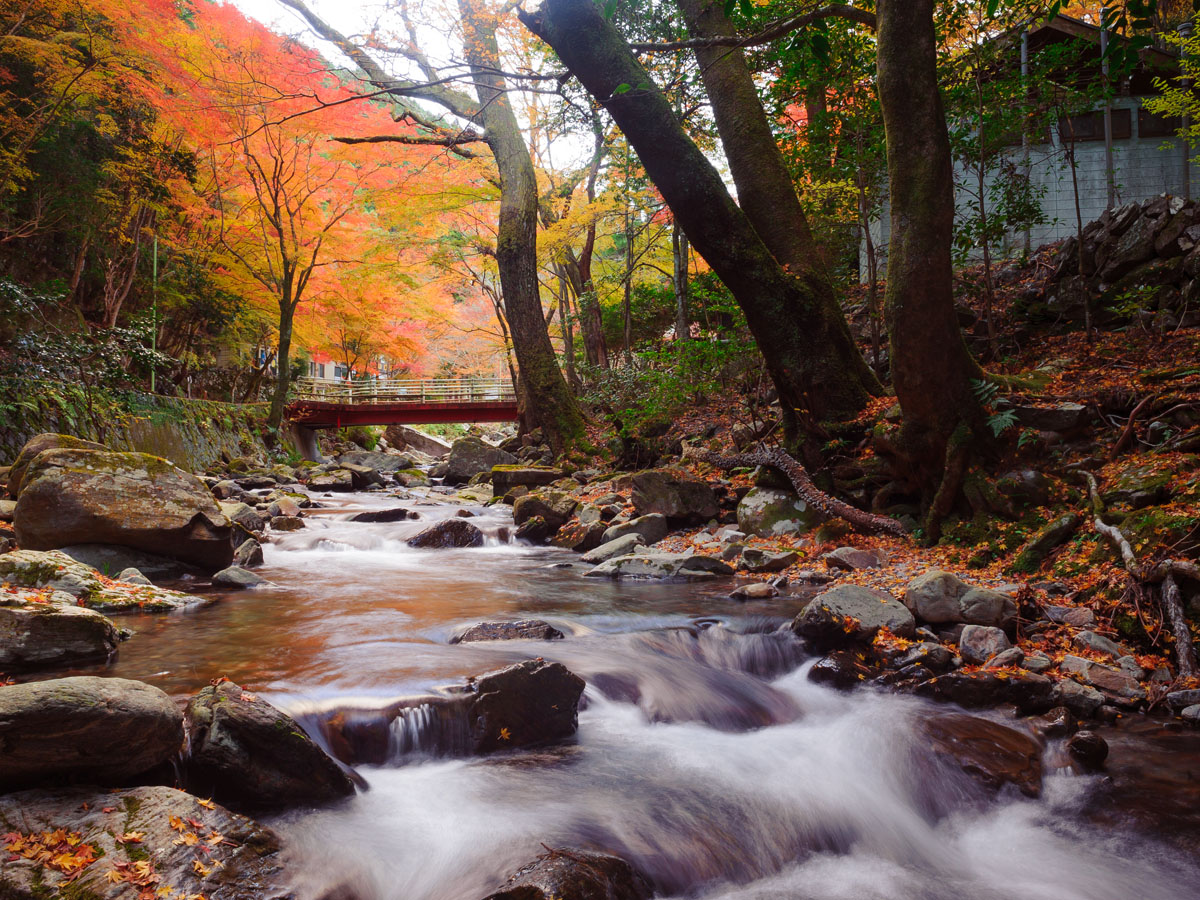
{"points": [[809, 492], [1162, 573]]}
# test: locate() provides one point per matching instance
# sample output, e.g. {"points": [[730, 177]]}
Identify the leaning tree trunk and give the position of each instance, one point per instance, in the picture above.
{"points": [[283, 365], [808, 353], [551, 403], [931, 367]]}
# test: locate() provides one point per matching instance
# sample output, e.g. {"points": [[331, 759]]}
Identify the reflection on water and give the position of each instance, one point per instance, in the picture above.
{"points": [[704, 756]]}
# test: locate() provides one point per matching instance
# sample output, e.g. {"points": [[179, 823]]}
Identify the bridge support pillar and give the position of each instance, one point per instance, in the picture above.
{"points": [[304, 439]]}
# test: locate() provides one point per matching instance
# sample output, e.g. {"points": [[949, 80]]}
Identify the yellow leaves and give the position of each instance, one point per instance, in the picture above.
{"points": [[189, 839], [177, 823], [505, 734], [207, 804], [61, 850], [131, 837], [200, 868]]}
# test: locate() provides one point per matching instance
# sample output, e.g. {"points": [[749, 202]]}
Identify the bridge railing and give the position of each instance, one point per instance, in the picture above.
{"points": [[405, 390]]}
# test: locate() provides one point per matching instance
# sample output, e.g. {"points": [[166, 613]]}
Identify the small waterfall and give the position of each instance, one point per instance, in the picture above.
{"points": [[432, 729]]}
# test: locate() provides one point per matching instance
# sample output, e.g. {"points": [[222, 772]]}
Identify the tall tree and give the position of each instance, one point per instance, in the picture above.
{"points": [[808, 352]]}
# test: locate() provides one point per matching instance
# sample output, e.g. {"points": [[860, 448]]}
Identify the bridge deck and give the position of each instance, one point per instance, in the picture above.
{"points": [[320, 404]]}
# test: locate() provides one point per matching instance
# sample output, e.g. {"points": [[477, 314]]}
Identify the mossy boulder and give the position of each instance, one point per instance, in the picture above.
{"points": [[128, 499], [54, 570], [469, 456], [505, 477], [676, 495], [39, 444], [44, 628], [769, 512]]}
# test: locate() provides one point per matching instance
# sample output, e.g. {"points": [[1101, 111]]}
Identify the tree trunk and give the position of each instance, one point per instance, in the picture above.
{"points": [[679, 271], [931, 366], [552, 405], [809, 354], [283, 364]]}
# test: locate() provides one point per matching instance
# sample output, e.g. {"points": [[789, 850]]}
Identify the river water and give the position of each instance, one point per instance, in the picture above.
{"points": [[709, 761]]}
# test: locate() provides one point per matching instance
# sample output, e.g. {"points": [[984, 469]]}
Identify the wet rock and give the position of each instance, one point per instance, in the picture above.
{"points": [[676, 495], [412, 478], [1088, 749], [852, 559], [505, 478], [129, 499], [979, 643], [283, 506], [110, 558], [243, 515], [1080, 699], [395, 514], [928, 655], [580, 536], [55, 570], [448, 533], [756, 560], [756, 590], [363, 477], [844, 669], [850, 613], [569, 874], [621, 546], [237, 578], [656, 565], [1191, 714], [97, 730], [1105, 678], [227, 489], [37, 445], [555, 508], [535, 530], [1180, 699], [1013, 656], [978, 690], [249, 554], [1058, 722], [373, 459], [652, 529], [988, 751], [255, 482], [469, 456], [248, 754], [944, 598], [525, 629], [769, 512], [287, 523], [338, 481], [134, 576], [40, 629], [531, 703], [245, 865]]}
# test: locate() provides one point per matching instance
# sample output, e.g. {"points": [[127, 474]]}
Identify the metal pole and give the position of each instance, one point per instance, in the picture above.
{"points": [[154, 317], [1025, 142], [1185, 33], [1108, 149]]}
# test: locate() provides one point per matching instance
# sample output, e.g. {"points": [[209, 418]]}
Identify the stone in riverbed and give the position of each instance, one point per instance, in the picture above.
{"points": [[944, 598], [469, 456], [54, 569], [525, 629], [249, 867], [1080, 699], [569, 874], [448, 533], [979, 643], [1181, 699], [756, 590], [237, 578], [975, 690], [580, 536], [286, 523], [1089, 640], [134, 576], [1088, 749], [507, 477], [676, 495], [42, 629], [852, 559], [662, 566], [249, 554], [652, 528], [39, 444], [769, 512], [533, 702], [621, 546], [373, 459], [555, 508], [852, 614], [395, 514], [338, 480], [96, 730], [988, 751], [129, 499], [756, 560]]}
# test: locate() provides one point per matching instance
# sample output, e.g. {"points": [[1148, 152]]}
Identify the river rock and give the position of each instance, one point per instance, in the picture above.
{"points": [[249, 554], [531, 703], [1080, 699], [363, 477], [676, 495], [412, 478], [244, 515], [286, 523], [1180, 699], [248, 754], [979, 643], [98, 730], [448, 533], [130, 499], [555, 508], [850, 613], [654, 565], [395, 514], [755, 590], [769, 512], [44, 628], [244, 865], [580, 536], [338, 480], [283, 506], [1106, 678], [844, 669], [944, 598], [621, 546], [988, 751], [506, 477], [651, 528], [373, 459], [569, 874], [37, 445], [757, 560], [976, 690], [55, 570], [236, 578], [851, 559], [1088, 749], [525, 629], [1089, 640], [469, 456]]}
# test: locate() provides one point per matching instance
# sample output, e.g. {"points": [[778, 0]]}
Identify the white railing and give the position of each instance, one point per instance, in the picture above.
{"points": [[405, 390]]}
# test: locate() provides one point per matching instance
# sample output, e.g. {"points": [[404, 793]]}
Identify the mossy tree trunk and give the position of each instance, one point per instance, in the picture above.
{"points": [[932, 369], [809, 354]]}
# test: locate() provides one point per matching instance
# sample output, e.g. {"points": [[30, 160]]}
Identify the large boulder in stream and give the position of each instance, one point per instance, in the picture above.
{"points": [[993, 754], [534, 702], [129, 499], [44, 628], [448, 533], [569, 874], [54, 570], [126, 844], [87, 729], [37, 445], [470, 456], [523, 630], [374, 459], [676, 495], [250, 755], [850, 613]]}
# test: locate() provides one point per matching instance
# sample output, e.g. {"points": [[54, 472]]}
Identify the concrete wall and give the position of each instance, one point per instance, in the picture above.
{"points": [[1144, 167]]}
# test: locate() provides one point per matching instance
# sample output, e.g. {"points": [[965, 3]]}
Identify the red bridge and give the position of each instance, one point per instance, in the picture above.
{"points": [[322, 404]]}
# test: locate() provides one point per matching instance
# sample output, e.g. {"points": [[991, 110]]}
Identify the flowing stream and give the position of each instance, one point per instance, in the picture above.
{"points": [[704, 755]]}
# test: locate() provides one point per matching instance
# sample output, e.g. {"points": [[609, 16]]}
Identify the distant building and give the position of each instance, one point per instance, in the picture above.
{"points": [[1148, 158]]}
